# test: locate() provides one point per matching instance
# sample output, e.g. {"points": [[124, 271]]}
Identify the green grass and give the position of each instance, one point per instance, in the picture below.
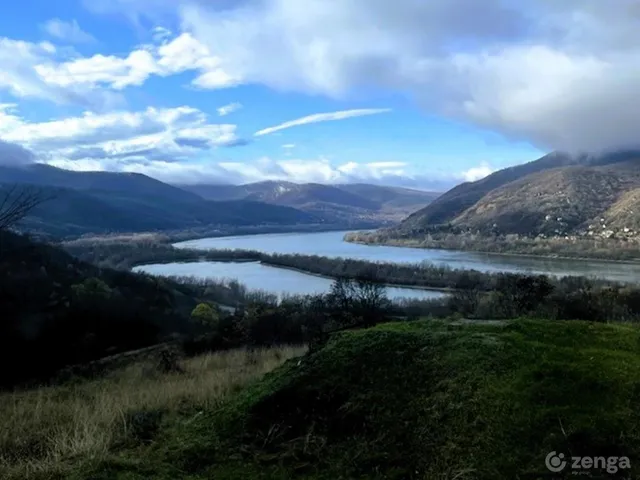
{"points": [[423, 400], [47, 432]]}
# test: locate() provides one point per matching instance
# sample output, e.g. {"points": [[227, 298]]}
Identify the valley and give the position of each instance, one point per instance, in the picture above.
{"points": [[319, 240], [243, 305], [559, 205], [108, 202]]}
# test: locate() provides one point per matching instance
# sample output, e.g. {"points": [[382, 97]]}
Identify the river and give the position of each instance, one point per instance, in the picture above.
{"points": [[256, 276], [331, 244]]}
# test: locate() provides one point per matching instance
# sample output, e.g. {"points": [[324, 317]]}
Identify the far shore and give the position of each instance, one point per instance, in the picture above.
{"points": [[400, 244]]}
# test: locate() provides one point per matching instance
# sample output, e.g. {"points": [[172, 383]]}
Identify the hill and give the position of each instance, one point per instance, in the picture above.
{"points": [[332, 202], [416, 400], [63, 311], [129, 183], [101, 202], [556, 195], [455, 201]]}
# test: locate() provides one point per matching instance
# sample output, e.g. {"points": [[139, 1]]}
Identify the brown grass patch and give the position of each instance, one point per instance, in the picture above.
{"points": [[43, 431]]}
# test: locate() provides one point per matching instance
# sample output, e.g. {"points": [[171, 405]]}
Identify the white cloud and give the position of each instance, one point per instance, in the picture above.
{"points": [[179, 54], [476, 173], [67, 31], [560, 74], [318, 170], [45, 71], [19, 76], [167, 163], [161, 34], [119, 138], [289, 146], [112, 71], [322, 117], [230, 108]]}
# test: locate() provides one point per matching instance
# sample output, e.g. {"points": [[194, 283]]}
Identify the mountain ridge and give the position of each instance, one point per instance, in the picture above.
{"points": [[110, 202], [558, 194], [334, 202]]}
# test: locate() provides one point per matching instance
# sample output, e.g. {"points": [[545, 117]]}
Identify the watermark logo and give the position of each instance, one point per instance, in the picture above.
{"points": [[557, 462]]}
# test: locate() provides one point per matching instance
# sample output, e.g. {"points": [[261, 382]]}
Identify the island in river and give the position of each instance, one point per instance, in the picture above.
{"points": [[332, 245]]}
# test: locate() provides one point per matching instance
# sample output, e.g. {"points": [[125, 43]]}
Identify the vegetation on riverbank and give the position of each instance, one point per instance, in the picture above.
{"points": [[174, 236], [476, 294], [611, 249], [124, 254], [406, 400], [69, 312]]}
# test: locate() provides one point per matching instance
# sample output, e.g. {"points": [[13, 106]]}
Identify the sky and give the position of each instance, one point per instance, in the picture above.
{"points": [[425, 94]]}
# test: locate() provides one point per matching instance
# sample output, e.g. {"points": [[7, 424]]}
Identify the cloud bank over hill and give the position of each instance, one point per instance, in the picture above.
{"points": [[563, 75], [559, 74]]}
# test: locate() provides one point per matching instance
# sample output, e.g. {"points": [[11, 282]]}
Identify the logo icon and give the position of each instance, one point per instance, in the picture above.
{"points": [[555, 462]]}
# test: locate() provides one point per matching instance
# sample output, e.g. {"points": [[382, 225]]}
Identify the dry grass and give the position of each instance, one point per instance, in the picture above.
{"points": [[43, 431]]}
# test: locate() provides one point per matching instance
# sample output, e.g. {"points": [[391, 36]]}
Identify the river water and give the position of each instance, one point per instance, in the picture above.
{"points": [[330, 244]]}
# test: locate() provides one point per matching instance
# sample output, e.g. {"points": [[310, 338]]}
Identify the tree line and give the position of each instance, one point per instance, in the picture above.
{"points": [[125, 255], [450, 238]]}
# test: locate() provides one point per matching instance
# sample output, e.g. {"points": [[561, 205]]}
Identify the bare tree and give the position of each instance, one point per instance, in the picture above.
{"points": [[17, 202], [360, 302]]}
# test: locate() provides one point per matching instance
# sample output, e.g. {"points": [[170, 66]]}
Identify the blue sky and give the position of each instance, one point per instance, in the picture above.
{"points": [[423, 94]]}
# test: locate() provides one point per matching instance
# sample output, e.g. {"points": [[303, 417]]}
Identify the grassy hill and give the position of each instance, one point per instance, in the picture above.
{"points": [[419, 400], [331, 202], [556, 195]]}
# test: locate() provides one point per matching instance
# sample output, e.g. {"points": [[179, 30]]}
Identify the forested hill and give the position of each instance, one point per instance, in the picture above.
{"points": [[100, 202], [57, 310]]}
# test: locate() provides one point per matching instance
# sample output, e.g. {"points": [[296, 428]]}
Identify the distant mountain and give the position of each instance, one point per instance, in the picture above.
{"points": [[100, 202], [126, 183], [556, 195], [391, 197], [331, 202]]}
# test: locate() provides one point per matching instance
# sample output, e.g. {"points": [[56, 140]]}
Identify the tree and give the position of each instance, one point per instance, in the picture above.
{"points": [[206, 315], [17, 202], [464, 302], [92, 289], [371, 302], [361, 302], [521, 294]]}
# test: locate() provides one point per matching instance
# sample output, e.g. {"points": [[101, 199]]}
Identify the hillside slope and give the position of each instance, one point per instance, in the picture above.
{"points": [[455, 201], [420, 400], [555, 195], [332, 202], [101, 202], [65, 311], [130, 183]]}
